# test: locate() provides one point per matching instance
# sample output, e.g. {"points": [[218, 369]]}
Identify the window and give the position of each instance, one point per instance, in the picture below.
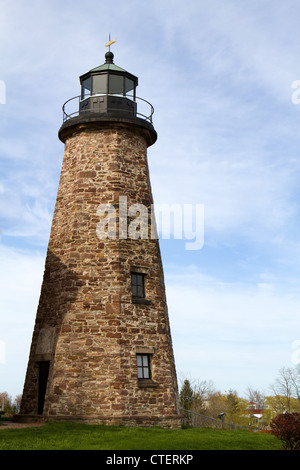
{"points": [[138, 285], [116, 84], [99, 84], [143, 366], [129, 85], [86, 88]]}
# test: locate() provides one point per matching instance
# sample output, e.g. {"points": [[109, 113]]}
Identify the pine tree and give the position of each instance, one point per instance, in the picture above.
{"points": [[186, 395]]}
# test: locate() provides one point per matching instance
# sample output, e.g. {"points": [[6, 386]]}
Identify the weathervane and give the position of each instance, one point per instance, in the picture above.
{"points": [[110, 42]]}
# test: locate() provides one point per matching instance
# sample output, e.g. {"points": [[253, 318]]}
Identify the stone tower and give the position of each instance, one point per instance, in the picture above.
{"points": [[101, 349]]}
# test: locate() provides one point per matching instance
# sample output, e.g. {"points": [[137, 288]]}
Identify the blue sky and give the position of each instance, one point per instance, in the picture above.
{"points": [[219, 75]]}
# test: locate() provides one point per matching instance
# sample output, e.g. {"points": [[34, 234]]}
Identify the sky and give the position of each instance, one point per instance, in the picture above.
{"points": [[222, 77]]}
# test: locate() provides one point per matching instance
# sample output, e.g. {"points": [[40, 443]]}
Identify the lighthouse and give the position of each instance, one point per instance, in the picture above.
{"points": [[101, 349]]}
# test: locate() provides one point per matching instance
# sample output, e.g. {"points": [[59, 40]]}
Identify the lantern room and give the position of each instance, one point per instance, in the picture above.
{"points": [[108, 89]]}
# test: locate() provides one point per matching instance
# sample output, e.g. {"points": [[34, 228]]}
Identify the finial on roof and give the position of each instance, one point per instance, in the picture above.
{"points": [[109, 58]]}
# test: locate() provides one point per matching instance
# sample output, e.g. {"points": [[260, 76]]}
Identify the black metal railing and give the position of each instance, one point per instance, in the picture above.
{"points": [[71, 108]]}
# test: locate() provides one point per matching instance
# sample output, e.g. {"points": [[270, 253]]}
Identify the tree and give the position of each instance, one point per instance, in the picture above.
{"points": [[9, 405], [202, 393], [287, 387], [216, 404], [286, 427], [186, 395], [232, 402], [17, 403], [295, 382], [256, 397], [235, 408]]}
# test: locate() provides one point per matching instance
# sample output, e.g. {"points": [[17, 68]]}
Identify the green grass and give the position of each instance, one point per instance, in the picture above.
{"points": [[74, 436]]}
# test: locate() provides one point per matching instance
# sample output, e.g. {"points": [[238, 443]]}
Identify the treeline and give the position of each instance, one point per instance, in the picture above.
{"points": [[254, 408], [8, 405]]}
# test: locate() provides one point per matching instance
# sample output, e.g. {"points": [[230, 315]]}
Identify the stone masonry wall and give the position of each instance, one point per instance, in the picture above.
{"points": [[87, 323]]}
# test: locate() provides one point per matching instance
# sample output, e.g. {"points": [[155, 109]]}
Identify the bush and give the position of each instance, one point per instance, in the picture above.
{"points": [[286, 427]]}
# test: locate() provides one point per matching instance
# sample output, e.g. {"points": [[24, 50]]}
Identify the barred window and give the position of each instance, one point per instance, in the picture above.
{"points": [[143, 366], [138, 285]]}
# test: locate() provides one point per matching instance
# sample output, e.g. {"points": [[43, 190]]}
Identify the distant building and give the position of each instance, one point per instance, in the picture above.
{"points": [[256, 412]]}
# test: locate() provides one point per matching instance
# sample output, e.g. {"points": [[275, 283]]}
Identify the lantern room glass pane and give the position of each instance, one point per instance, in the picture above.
{"points": [[86, 88], [115, 84], [99, 84], [129, 85]]}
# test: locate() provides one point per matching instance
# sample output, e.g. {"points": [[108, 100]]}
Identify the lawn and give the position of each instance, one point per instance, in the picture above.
{"points": [[75, 436]]}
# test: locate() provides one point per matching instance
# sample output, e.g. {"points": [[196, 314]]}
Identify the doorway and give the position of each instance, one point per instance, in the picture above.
{"points": [[43, 379]]}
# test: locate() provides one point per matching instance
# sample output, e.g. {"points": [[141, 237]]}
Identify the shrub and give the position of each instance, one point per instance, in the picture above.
{"points": [[286, 427]]}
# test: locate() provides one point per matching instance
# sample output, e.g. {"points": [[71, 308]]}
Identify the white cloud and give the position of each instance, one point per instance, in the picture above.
{"points": [[20, 279], [26, 206], [243, 331], [244, 195]]}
